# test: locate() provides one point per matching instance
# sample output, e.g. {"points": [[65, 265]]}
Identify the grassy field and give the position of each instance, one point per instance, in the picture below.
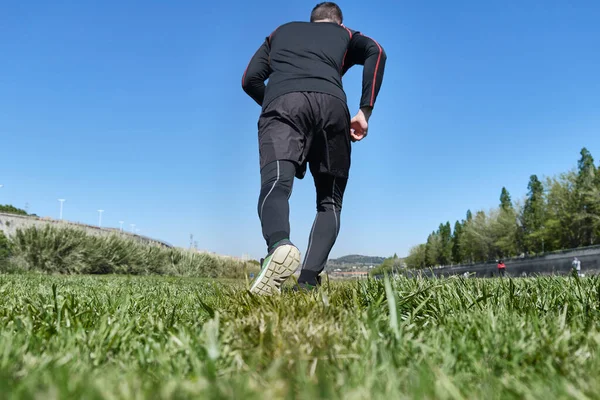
{"points": [[113, 337]]}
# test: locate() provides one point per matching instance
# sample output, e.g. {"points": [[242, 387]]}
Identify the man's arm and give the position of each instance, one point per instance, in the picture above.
{"points": [[257, 72], [365, 51]]}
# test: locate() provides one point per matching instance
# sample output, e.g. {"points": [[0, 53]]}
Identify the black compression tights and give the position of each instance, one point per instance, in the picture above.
{"points": [[277, 180]]}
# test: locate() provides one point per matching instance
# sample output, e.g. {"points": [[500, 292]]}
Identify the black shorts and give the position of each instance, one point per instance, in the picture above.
{"points": [[306, 127]]}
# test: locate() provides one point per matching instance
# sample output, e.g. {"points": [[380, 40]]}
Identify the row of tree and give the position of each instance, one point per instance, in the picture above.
{"points": [[10, 209], [559, 213]]}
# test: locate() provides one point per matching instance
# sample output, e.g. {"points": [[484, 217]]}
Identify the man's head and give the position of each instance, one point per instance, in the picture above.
{"points": [[328, 12]]}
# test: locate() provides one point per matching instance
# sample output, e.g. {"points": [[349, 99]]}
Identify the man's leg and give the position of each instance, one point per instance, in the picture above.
{"points": [[283, 258], [326, 226], [277, 179]]}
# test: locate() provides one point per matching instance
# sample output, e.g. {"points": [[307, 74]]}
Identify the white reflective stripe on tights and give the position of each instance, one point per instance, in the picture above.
{"points": [[333, 202], [312, 233], [273, 187]]}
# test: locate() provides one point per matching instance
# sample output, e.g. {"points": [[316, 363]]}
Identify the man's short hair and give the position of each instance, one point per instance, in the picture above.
{"points": [[327, 10]]}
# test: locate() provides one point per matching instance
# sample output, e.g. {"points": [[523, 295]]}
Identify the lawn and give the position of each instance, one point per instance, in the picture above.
{"points": [[119, 337]]}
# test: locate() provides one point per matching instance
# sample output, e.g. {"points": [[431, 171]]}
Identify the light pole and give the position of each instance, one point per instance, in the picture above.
{"points": [[61, 207], [100, 218], [121, 222], [132, 226]]}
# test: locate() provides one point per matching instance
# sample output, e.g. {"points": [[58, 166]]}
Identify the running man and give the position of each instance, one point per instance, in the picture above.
{"points": [[305, 120]]}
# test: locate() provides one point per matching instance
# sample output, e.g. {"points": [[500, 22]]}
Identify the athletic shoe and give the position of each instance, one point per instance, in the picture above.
{"points": [[281, 262]]}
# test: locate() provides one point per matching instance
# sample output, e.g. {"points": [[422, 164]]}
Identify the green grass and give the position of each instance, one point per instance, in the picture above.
{"points": [[118, 337]]}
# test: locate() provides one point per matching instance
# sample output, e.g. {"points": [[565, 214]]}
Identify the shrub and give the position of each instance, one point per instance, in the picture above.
{"points": [[67, 250], [4, 249]]}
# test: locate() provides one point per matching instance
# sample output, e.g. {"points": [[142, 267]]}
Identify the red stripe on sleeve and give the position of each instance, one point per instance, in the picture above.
{"points": [[375, 73], [346, 52], [244, 76]]}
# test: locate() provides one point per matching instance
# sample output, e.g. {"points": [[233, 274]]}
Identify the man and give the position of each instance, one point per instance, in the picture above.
{"points": [[305, 120]]}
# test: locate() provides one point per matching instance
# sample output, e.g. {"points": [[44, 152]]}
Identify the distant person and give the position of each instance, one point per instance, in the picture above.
{"points": [[305, 120], [576, 265], [501, 268]]}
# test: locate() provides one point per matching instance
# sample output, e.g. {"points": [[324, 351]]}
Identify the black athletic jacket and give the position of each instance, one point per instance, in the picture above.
{"points": [[313, 57]]}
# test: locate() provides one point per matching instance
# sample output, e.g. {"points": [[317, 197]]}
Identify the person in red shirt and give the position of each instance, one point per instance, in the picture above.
{"points": [[501, 268]]}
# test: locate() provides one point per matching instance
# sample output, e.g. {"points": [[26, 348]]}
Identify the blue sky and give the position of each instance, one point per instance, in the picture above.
{"points": [[136, 108]]}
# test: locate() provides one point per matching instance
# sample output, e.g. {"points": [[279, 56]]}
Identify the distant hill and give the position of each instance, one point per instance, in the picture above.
{"points": [[357, 259]]}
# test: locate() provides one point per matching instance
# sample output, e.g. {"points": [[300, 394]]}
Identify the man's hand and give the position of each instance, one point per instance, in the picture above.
{"points": [[359, 125]]}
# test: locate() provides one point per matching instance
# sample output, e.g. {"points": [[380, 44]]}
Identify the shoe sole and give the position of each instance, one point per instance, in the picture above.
{"points": [[283, 263]]}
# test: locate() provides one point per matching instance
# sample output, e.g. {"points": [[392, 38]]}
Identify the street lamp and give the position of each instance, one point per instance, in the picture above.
{"points": [[121, 222], [61, 207], [100, 218], [132, 226]]}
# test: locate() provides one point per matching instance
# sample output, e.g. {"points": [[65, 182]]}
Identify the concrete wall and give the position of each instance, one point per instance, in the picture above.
{"points": [[550, 264], [9, 223]]}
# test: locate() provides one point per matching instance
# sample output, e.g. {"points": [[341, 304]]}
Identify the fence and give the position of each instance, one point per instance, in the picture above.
{"points": [[554, 263]]}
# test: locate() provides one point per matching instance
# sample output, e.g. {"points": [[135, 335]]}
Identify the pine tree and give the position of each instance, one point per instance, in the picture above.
{"points": [[445, 253], [457, 254], [588, 210], [466, 244], [532, 218], [505, 201]]}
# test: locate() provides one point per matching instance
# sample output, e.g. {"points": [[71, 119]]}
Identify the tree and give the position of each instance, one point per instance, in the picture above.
{"points": [[445, 233], [505, 201], [597, 186], [390, 265], [417, 257], [465, 245], [10, 209], [433, 249], [504, 227], [561, 207], [563, 212], [4, 248], [477, 237], [532, 219], [457, 253], [588, 207]]}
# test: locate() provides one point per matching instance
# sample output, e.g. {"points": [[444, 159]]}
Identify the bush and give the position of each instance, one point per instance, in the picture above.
{"points": [[67, 250], [4, 249]]}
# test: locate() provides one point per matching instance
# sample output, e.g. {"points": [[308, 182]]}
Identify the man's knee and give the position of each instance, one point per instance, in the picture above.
{"points": [[330, 193], [278, 174]]}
